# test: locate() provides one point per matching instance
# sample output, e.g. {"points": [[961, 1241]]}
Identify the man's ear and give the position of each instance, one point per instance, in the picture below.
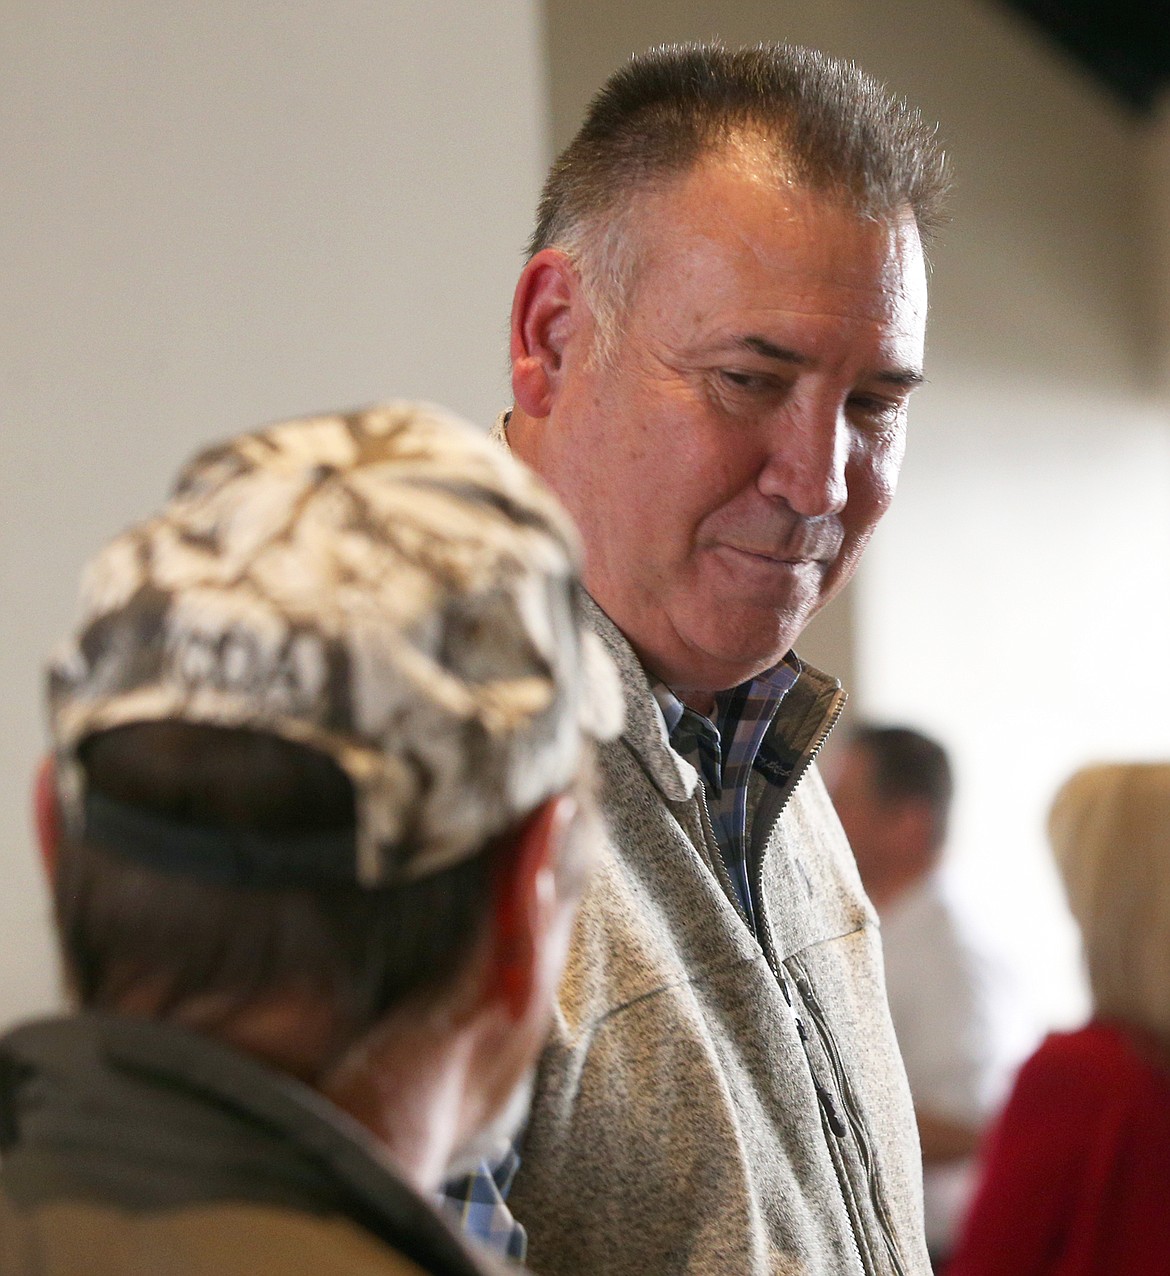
{"points": [[524, 959], [546, 307], [47, 814]]}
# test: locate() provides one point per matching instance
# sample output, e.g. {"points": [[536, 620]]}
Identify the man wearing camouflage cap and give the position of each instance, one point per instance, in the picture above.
{"points": [[316, 818]]}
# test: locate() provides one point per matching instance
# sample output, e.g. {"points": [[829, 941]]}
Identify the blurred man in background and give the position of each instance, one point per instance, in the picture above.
{"points": [[317, 815], [955, 1012]]}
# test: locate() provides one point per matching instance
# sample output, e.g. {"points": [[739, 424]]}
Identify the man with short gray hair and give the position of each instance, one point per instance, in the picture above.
{"points": [[713, 345], [318, 812]]}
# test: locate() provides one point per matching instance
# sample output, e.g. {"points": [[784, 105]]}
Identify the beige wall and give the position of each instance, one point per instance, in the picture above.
{"points": [[214, 215], [1015, 601]]}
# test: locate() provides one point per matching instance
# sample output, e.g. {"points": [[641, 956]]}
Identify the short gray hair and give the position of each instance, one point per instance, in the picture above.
{"points": [[831, 127]]}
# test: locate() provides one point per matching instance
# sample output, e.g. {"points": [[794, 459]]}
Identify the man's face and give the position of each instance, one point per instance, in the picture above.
{"points": [[865, 818], [728, 466]]}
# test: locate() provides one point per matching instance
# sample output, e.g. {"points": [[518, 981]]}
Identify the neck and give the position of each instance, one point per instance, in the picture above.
{"points": [[701, 701], [408, 1081], [290, 1031], [411, 1089]]}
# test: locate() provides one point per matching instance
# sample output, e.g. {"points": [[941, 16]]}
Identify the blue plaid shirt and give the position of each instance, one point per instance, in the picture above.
{"points": [[475, 1205], [724, 752]]}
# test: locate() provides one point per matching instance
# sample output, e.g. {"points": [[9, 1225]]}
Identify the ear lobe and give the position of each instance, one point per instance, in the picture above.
{"points": [[47, 814], [546, 308], [526, 907]]}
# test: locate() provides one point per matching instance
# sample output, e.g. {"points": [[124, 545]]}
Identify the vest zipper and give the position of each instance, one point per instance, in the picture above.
{"points": [[717, 862], [832, 1118], [865, 1154], [756, 877], [763, 936]]}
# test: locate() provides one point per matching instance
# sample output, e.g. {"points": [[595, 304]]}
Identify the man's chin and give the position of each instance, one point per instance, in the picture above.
{"points": [[721, 658]]}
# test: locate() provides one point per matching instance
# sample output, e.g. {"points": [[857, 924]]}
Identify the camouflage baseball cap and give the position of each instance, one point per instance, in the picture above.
{"points": [[386, 586]]}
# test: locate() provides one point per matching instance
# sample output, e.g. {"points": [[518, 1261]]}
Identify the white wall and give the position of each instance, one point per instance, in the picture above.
{"points": [[215, 215], [1016, 600], [218, 214]]}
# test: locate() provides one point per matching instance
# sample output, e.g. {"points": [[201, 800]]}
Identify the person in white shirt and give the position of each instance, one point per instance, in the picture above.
{"points": [[956, 1014]]}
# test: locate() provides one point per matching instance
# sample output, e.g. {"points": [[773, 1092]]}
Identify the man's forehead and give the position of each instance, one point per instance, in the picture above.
{"points": [[727, 198], [725, 258], [760, 161]]}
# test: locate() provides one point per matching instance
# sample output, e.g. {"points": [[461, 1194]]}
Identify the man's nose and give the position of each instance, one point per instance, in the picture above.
{"points": [[808, 448]]}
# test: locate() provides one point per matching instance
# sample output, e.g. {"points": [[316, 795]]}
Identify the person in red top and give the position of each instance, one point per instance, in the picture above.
{"points": [[1076, 1177]]}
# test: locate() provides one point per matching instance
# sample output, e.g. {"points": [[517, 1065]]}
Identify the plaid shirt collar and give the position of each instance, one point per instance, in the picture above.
{"points": [[725, 752], [725, 749]]}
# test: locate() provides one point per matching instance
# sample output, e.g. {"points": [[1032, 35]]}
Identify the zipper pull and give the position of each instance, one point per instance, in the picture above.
{"points": [[831, 1114]]}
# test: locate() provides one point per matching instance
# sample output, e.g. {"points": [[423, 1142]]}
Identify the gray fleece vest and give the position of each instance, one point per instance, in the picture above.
{"points": [[710, 1103]]}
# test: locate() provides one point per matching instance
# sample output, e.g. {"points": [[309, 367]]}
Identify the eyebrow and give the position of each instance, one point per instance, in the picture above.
{"points": [[769, 350], [903, 378]]}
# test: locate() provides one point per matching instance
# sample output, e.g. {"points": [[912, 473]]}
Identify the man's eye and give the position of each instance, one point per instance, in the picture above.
{"points": [[740, 380], [880, 412]]}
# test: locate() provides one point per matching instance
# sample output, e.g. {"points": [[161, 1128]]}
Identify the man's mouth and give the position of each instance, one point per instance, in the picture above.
{"points": [[803, 556]]}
